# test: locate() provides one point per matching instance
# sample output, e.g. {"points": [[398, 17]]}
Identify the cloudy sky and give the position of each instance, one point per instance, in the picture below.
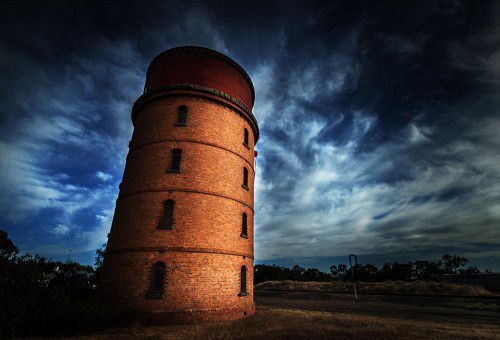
{"points": [[379, 121]]}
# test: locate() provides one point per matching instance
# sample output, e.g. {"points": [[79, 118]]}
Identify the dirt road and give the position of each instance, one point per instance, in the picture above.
{"points": [[403, 307]]}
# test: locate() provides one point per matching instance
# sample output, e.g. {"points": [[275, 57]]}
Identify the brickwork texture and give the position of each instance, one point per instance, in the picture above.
{"points": [[204, 253]]}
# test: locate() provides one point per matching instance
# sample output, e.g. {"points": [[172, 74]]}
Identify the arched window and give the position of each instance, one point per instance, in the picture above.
{"points": [[157, 281], [176, 160], [168, 218], [245, 138], [244, 225], [245, 178], [182, 116], [243, 281]]}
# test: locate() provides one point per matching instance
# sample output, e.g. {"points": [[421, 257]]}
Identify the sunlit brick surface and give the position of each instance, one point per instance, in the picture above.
{"points": [[204, 251]]}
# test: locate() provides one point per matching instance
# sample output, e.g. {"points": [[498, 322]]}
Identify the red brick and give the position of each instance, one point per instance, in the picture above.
{"points": [[204, 251]]}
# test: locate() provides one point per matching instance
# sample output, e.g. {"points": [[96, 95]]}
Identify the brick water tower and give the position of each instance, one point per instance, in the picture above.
{"points": [[181, 242]]}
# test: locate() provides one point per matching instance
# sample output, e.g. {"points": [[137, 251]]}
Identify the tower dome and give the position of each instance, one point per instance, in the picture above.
{"points": [[181, 241]]}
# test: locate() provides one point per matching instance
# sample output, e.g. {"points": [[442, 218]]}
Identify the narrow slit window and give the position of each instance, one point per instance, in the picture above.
{"points": [[157, 281], [182, 116], [244, 225], [176, 160], [159, 277], [243, 281], [245, 138], [168, 218], [245, 178]]}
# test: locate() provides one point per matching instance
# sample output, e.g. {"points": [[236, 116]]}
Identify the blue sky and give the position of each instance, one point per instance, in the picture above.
{"points": [[379, 122]]}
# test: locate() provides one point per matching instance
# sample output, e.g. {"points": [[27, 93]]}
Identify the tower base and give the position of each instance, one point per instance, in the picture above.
{"points": [[192, 316]]}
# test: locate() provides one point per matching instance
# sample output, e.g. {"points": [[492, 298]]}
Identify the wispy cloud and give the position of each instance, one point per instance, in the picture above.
{"points": [[103, 176], [376, 137], [338, 204], [50, 157]]}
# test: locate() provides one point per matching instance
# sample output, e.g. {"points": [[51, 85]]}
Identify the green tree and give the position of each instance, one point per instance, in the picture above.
{"points": [[313, 274], [35, 304], [264, 273], [99, 260], [7, 248], [339, 272], [22, 287], [297, 273], [99, 255], [367, 273], [425, 268], [470, 270], [452, 263]]}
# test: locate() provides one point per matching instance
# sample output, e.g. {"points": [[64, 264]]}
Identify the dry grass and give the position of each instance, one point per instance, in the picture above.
{"points": [[278, 323], [297, 324], [415, 287]]}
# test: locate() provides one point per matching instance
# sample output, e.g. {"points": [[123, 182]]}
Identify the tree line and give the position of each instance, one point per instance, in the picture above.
{"points": [[41, 297], [393, 271]]}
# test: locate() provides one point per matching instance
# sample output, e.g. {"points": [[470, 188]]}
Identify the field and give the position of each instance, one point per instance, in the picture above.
{"points": [[315, 315], [387, 287], [277, 323]]}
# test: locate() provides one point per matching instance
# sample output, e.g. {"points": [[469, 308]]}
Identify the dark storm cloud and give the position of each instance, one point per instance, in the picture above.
{"points": [[61, 103], [378, 120], [399, 146]]}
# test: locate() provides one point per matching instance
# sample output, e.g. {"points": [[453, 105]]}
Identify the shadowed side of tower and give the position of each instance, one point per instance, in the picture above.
{"points": [[181, 243]]}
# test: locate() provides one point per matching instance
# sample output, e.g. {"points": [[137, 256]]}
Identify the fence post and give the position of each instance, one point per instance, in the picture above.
{"points": [[354, 276]]}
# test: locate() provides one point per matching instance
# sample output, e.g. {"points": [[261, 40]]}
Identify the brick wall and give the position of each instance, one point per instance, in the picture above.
{"points": [[205, 249], [204, 286]]}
